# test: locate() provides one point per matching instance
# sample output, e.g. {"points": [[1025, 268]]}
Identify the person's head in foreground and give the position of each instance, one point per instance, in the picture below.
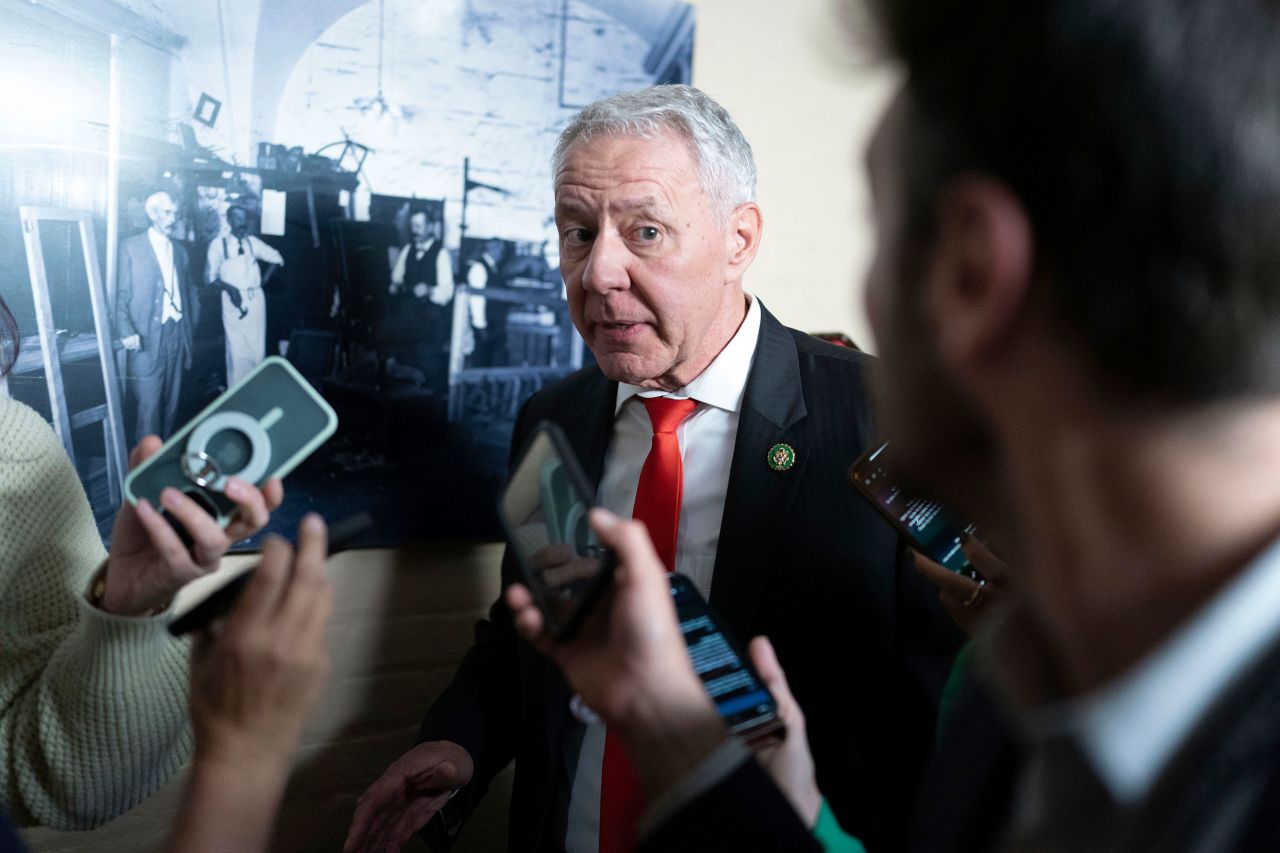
{"points": [[655, 207], [1075, 296]]}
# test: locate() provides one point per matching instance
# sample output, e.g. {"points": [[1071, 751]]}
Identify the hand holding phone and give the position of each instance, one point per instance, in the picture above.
{"points": [[745, 704], [567, 571], [262, 428], [153, 554], [218, 600], [544, 511], [930, 527]]}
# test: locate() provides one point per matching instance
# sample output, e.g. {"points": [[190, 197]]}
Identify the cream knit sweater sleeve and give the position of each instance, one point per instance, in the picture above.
{"points": [[93, 707]]}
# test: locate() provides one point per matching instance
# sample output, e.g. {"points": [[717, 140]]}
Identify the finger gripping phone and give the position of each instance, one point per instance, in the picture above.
{"points": [[217, 600], [746, 705], [930, 527], [544, 512], [261, 428]]}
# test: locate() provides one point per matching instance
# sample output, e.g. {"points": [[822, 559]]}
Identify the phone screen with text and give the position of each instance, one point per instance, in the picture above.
{"points": [[743, 701], [544, 510], [932, 529]]}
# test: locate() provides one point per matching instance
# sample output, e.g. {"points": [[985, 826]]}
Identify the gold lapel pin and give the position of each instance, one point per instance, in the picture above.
{"points": [[782, 457]]}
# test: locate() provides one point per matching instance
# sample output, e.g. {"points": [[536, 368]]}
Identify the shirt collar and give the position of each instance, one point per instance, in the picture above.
{"points": [[158, 240], [724, 382], [1131, 728]]}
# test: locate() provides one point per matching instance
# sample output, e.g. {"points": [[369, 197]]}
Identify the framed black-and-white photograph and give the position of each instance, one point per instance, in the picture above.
{"points": [[360, 186]]}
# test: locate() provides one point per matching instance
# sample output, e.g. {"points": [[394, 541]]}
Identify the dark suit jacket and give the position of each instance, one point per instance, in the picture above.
{"points": [[964, 806], [9, 840], [1220, 793], [801, 558], [140, 299]]}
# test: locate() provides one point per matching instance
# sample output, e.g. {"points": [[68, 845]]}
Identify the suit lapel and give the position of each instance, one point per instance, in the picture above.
{"points": [[590, 425], [758, 497]]}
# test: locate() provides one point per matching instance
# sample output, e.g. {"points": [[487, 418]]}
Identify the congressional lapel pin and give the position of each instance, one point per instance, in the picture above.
{"points": [[782, 457]]}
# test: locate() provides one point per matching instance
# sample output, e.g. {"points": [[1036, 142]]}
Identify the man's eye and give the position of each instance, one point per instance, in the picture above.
{"points": [[648, 233], [577, 236]]}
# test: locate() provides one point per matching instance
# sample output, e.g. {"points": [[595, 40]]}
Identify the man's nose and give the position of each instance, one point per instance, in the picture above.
{"points": [[607, 265]]}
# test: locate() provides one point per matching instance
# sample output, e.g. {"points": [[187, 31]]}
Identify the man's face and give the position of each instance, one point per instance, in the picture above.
{"points": [[163, 213], [418, 227], [237, 222], [936, 429], [644, 258]]}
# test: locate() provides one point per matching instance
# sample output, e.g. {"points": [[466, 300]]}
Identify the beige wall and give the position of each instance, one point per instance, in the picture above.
{"points": [[403, 618], [807, 102]]}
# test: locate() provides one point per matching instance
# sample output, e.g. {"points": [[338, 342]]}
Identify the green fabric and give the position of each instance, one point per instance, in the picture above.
{"points": [[828, 833], [93, 707]]}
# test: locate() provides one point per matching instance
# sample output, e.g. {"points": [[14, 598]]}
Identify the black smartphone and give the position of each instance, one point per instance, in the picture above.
{"points": [[747, 706], [544, 512], [219, 601], [930, 527]]}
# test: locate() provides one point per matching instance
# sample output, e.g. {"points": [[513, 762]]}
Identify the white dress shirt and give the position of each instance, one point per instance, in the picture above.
{"points": [[1131, 728], [478, 279], [707, 438], [235, 261], [172, 300]]}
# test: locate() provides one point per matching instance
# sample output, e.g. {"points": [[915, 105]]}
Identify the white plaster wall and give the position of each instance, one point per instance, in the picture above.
{"points": [[807, 102], [479, 78]]}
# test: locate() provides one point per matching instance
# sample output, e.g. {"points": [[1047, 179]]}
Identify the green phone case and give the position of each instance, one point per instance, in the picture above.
{"points": [[262, 428]]}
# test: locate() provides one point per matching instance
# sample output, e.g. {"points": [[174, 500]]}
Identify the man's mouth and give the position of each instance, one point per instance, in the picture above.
{"points": [[618, 330]]}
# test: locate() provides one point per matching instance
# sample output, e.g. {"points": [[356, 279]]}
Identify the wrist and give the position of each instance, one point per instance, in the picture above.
{"points": [[251, 792], [808, 804], [669, 731], [225, 748], [109, 592]]}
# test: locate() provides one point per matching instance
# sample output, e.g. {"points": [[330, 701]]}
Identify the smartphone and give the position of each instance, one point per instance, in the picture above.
{"points": [[930, 527], [747, 706], [262, 427], [197, 613], [544, 512]]}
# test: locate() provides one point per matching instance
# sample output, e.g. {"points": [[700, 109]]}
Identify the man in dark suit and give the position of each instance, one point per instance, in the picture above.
{"points": [[657, 232], [1076, 303], [155, 311]]}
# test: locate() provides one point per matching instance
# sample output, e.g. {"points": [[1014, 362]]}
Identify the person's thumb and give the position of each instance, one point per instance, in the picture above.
{"points": [[630, 541], [766, 663]]}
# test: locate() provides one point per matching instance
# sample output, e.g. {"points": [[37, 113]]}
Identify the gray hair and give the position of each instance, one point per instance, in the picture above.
{"points": [[152, 204], [725, 163]]}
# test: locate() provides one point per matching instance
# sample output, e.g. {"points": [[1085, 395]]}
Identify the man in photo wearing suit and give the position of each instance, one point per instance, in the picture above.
{"points": [[730, 435], [1076, 302], [155, 312]]}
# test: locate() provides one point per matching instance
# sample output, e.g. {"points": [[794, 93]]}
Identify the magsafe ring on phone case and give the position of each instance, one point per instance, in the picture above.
{"points": [[198, 464]]}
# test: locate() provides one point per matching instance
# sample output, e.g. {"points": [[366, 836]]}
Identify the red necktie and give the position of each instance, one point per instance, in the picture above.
{"points": [[657, 504]]}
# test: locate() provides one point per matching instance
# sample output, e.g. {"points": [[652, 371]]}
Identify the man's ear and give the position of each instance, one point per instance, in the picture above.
{"points": [[980, 276], [743, 232]]}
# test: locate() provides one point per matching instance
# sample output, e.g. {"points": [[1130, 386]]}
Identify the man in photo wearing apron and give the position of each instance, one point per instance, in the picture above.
{"points": [[233, 268]]}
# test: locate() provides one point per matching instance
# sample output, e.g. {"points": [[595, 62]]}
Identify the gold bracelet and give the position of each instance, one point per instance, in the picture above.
{"points": [[98, 586]]}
